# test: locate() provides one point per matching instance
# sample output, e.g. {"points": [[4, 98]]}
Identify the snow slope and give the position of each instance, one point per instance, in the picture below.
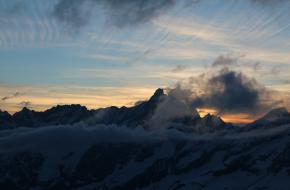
{"points": [[110, 157]]}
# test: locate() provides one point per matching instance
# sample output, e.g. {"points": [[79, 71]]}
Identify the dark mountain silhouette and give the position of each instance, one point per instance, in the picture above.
{"points": [[112, 156], [6, 120], [138, 115], [72, 114], [59, 115], [132, 116], [26, 117], [64, 115], [211, 123]]}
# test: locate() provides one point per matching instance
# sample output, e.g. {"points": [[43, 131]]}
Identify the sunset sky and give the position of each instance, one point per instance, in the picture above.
{"points": [[98, 53]]}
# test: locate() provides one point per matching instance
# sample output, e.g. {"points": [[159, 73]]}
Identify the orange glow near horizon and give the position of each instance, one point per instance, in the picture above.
{"points": [[204, 111], [41, 99], [109, 101], [230, 118], [238, 118]]}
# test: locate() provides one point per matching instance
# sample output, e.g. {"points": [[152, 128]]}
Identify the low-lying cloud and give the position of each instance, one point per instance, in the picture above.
{"points": [[175, 105], [60, 140]]}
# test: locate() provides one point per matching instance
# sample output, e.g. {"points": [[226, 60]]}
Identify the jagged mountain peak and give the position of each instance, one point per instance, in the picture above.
{"points": [[157, 94], [24, 110], [67, 107], [213, 120], [4, 112], [208, 115]]}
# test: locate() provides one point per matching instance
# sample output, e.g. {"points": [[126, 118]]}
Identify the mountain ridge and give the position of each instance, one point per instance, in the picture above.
{"points": [[140, 114], [275, 117], [94, 151]]}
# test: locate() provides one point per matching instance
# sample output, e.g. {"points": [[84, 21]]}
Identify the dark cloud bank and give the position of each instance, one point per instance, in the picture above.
{"points": [[120, 13], [123, 13], [227, 90], [232, 92], [76, 14]]}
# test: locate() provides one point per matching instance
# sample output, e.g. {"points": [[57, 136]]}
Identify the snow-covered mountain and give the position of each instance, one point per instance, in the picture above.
{"points": [[275, 117], [107, 157], [147, 146]]}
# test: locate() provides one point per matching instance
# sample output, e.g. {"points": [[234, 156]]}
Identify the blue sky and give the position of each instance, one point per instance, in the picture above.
{"points": [[99, 64]]}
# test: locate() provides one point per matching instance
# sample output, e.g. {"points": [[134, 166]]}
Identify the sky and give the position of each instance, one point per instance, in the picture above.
{"points": [[100, 53]]}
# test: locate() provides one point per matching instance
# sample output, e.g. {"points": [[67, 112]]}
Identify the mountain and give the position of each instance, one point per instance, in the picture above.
{"points": [[130, 117], [73, 114], [210, 123], [275, 117], [6, 120], [111, 158], [26, 117], [160, 109], [71, 147], [65, 115], [59, 115], [142, 113]]}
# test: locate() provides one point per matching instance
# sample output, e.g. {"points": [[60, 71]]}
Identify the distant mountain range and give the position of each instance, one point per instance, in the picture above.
{"points": [[138, 115]]}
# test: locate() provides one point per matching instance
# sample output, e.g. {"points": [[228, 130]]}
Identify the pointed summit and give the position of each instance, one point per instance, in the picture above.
{"points": [[25, 118], [213, 121], [210, 123], [6, 121], [157, 95], [25, 109], [4, 113]]}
